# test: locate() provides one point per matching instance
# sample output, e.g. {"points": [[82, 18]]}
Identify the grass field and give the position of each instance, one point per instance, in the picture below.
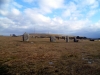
{"points": [[41, 57]]}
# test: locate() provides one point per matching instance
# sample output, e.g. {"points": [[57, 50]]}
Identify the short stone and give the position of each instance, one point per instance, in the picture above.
{"points": [[52, 39]]}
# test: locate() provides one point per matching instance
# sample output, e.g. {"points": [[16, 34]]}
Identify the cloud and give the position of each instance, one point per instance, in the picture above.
{"points": [[6, 23], [89, 2], [15, 4], [55, 16], [9, 6], [91, 13], [49, 5], [36, 17], [95, 26], [4, 6], [15, 11], [52, 3]]}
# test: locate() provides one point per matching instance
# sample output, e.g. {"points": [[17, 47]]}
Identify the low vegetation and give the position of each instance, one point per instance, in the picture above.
{"points": [[39, 56]]}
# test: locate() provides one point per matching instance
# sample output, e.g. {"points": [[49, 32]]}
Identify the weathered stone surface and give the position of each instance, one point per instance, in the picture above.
{"points": [[67, 38], [52, 39], [25, 37]]}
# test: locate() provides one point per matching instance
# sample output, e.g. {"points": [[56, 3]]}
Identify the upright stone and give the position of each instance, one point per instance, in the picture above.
{"points": [[52, 39], [67, 38], [75, 40], [25, 37]]}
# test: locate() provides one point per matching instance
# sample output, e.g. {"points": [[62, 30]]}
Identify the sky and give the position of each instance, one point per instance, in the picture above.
{"points": [[69, 17]]}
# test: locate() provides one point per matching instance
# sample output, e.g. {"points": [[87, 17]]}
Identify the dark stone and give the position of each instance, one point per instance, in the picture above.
{"points": [[92, 40], [13, 35], [75, 40]]}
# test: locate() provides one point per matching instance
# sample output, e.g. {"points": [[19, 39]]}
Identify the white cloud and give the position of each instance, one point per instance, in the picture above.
{"points": [[95, 5], [36, 17], [48, 5], [52, 3], [9, 6], [95, 27], [6, 23], [3, 12], [15, 11], [90, 2], [70, 9], [66, 13]]}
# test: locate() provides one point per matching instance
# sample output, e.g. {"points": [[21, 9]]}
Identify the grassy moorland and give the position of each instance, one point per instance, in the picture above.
{"points": [[41, 57]]}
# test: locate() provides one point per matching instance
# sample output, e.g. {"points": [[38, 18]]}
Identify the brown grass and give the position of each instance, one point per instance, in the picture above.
{"points": [[41, 57]]}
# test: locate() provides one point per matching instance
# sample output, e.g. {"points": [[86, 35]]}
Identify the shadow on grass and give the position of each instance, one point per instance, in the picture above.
{"points": [[4, 70]]}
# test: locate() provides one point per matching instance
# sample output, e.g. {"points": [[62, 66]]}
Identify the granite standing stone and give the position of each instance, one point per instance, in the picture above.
{"points": [[25, 37], [67, 38], [52, 39]]}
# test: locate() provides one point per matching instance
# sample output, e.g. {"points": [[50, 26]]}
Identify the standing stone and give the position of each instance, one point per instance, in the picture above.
{"points": [[52, 39], [67, 38], [75, 40], [25, 37]]}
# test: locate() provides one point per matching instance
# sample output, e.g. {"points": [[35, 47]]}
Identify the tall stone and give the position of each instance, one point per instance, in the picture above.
{"points": [[25, 37], [52, 39], [67, 38]]}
